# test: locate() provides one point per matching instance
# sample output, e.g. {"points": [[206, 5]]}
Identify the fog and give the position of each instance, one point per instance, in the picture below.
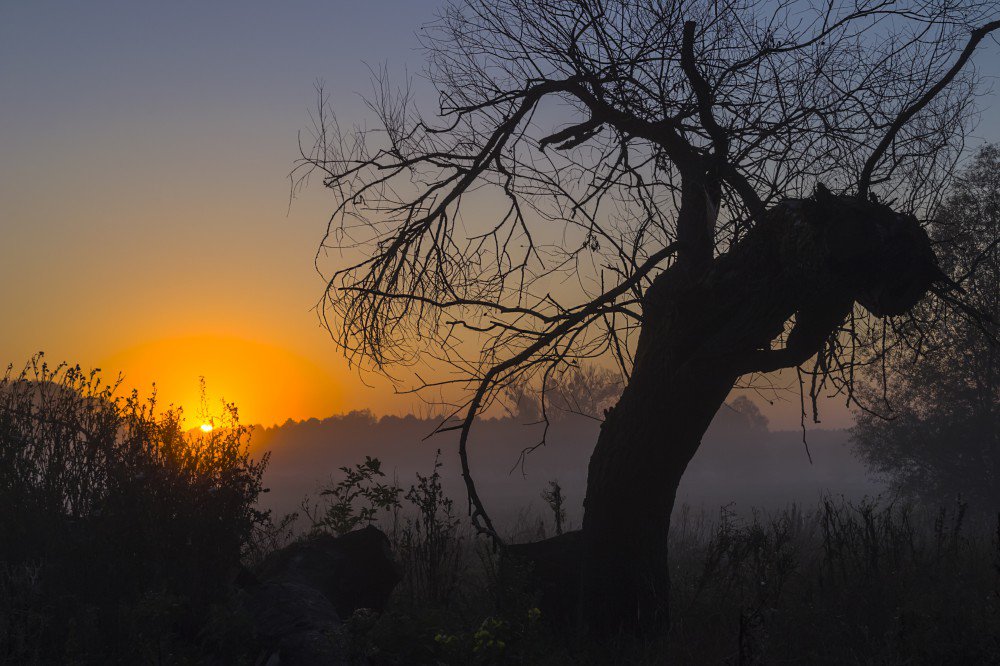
{"points": [[741, 463]]}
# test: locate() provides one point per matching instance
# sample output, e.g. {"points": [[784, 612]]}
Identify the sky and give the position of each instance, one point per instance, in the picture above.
{"points": [[145, 225], [144, 199]]}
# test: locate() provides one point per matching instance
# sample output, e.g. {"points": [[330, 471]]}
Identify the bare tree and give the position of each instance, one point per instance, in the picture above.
{"points": [[688, 188]]}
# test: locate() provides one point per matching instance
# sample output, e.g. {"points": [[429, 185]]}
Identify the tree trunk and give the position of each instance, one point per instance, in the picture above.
{"points": [[643, 449], [646, 441], [702, 330]]}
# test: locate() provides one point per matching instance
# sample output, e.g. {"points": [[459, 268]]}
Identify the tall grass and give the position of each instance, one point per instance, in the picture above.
{"points": [[873, 582], [858, 583]]}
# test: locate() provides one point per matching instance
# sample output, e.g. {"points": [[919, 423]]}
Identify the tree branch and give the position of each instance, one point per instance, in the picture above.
{"points": [[480, 517], [864, 182], [703, 94], [572, 137], [811, 330], [720, 139]]}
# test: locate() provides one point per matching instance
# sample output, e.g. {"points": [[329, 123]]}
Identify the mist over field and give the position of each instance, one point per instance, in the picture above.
{"points": [[741, 462]]}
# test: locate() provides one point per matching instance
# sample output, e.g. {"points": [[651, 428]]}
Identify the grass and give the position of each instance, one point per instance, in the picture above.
{"points": [[875, 582]]}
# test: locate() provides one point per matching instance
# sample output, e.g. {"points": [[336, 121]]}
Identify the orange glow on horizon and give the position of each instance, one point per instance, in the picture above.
{"points": [[267, 383]]}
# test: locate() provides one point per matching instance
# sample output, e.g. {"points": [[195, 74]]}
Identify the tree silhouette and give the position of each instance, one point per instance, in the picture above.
{"points": [[685, 188], [583, 390], [942, 439]]}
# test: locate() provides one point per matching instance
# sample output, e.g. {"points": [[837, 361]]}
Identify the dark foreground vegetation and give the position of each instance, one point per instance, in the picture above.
{"points": [[841, 583], [119, 532], [127, 540]]}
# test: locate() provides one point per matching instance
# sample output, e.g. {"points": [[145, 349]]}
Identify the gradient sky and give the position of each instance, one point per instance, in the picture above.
{"points": [[144, 219]]}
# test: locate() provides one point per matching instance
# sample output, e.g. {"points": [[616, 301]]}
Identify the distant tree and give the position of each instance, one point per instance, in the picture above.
{"points": [[644, 181], [936, 434], [586, 390], [747, 408], [522, 401]]}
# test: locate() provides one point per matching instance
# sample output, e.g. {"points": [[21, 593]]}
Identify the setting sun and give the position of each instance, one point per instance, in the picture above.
{"points": [[266, 382]]}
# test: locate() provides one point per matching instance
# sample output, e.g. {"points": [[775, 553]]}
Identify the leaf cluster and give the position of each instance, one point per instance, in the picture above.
{"points": [[358, 497]]}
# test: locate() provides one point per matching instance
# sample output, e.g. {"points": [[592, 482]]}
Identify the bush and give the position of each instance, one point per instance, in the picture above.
{"points": [[130, 528], [427, 539], [355, 500], [431, 544]]}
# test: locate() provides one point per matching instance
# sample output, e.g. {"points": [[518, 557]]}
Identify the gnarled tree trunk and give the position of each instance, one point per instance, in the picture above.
{"points": [[809, 262], [645, 444]]}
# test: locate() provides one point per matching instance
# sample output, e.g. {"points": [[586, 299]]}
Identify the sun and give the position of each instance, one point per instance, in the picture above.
{"points": [[206, 427], [269, 383]]}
